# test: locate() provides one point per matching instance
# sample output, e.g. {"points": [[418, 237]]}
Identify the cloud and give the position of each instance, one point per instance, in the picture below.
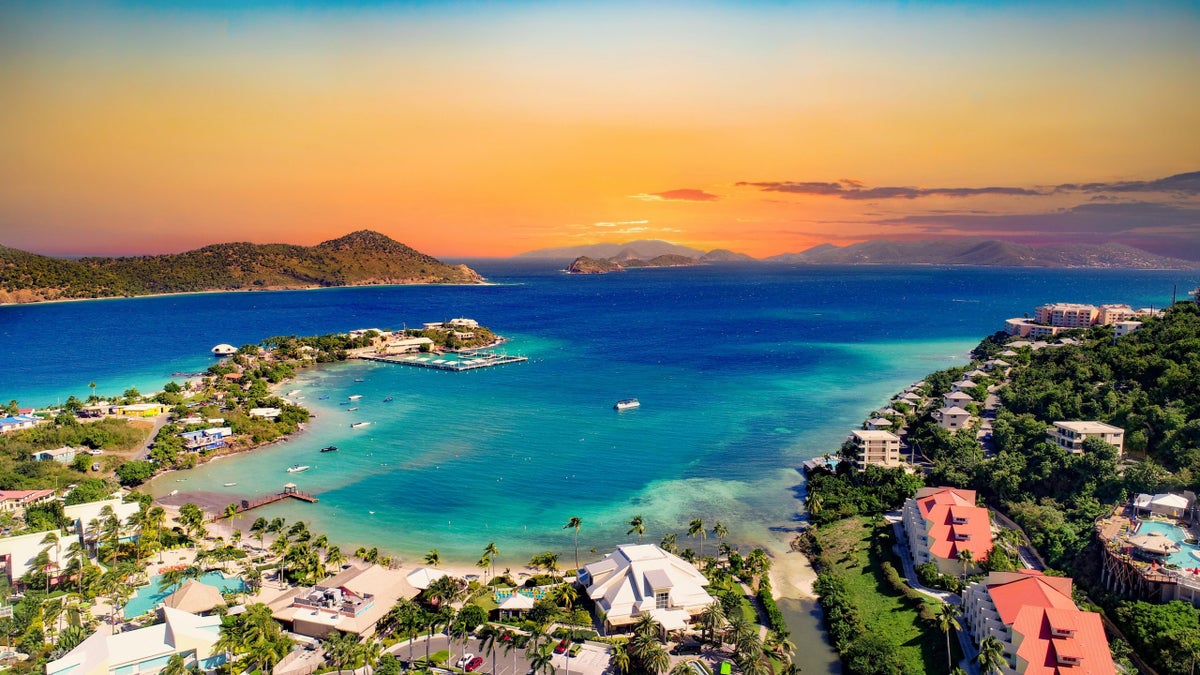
{"points": [[620, 223], [853, 189], [1160, 228], [682, 195], [1180, 183]]}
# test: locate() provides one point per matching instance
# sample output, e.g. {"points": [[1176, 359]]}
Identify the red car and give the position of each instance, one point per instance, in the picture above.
{"points": [[474, 664], [562, 646]]}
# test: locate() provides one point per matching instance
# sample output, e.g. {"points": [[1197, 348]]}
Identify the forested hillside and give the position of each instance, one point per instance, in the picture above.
{"points": [[359, 258]]}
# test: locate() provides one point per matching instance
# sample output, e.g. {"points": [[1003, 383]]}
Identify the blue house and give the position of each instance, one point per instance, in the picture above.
{"points": [[206, 439]]}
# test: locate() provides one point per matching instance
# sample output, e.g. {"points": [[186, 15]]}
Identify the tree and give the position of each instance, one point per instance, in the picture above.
{"points": [[51, 539], [668, 543], [696, 528], [575, 523], [541, 660], [991, 656], [966, 557], [720, 532], [340, 648], [259, 529], [947, 620], [638, 525], [492, 553], [232, 512], [433, 558]]}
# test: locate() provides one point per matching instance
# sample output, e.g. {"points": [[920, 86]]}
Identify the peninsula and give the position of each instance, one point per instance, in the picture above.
{"points": [[358, 259], [586, 265]]}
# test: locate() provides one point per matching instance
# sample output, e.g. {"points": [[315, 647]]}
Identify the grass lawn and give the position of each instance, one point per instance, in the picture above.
{"points": [[846, 547]]}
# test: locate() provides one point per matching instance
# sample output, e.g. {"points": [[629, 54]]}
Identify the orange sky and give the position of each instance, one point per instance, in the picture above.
{"points": [[469, 131]]}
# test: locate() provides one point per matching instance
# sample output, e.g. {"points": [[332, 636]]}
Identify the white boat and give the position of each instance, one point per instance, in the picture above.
{"points": [[351, 409], [626, 404], [230, 484], [359, 425], [355, 397], [292, 392], [172, 493], [297, 468]]}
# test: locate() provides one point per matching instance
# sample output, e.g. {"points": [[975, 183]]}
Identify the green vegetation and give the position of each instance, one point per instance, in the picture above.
{"points": [[359, 258], [875, 622]]}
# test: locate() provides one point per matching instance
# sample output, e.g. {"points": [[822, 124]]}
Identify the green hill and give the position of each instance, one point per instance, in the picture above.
{"points": [[357, 259]]}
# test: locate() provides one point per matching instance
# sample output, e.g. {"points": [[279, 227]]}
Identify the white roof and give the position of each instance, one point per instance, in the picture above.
{"points": [[102, 653], [516, 601], [1165, 499], [1089, 427], [965, 383], [880, 422], [625, 583], [954, 410], [421, 577], [874, 435], [958, 396]]}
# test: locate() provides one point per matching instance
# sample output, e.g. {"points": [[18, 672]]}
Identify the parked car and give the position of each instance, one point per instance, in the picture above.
{"points": [[466, 658], [473, 664], [562, 646], [687, 647]]}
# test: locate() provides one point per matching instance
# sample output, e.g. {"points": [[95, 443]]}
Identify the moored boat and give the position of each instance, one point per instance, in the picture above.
{"points": [[359, 425], [351, 409], [626, 404], [329, 448], [354, 397], [230, 484], [388, 400], [297, 468]]}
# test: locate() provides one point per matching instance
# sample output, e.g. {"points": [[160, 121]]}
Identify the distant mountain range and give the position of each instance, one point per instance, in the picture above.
{"points": [[642, 249], [357, 259], [983, 252]]}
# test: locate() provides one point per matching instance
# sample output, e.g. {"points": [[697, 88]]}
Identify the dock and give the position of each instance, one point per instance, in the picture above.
{"points": [[289, 492], [456, 363]]}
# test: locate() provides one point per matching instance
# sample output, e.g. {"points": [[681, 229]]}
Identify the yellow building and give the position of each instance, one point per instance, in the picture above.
{"points": [[142, 410]]}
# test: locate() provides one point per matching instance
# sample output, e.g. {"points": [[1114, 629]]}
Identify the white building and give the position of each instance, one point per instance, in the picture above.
{"points": [[876, 446], [12, 501], [1037, 623], [640, 579], [145, 651], [1165, 504], [1122, 328], [1071, 435], [18, 423], [265, 413], [953, 418], [956, 398], [963, 385]]}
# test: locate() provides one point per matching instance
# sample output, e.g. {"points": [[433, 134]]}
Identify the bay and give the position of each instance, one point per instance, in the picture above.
{"points": [[743, 372]]}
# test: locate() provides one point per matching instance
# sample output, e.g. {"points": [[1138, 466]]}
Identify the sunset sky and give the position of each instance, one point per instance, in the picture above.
{"points": [[473, 129]]}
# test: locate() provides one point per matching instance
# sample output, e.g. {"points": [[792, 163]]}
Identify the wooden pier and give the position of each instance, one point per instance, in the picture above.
{"points": [[289, 491], [457, 365]]}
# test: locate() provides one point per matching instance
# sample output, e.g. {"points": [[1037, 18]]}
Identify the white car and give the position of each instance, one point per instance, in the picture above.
{"points": [[466, 658]]}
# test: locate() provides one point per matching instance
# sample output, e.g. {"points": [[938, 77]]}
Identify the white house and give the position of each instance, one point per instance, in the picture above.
{"points": [[145, 651], [63, 455], [1166, 504], [18, 422], [963, 385], [876, 446], [953, 418], [1071, 435], [265, 413], [640, 579]]}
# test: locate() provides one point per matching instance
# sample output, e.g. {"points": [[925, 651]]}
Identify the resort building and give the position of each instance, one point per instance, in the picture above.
{"points": [[1066, 315], [145, 651], [956, 398], [942, 523], [963, 385], [265, 413], [1029, 328], [141, 410], [206, 439], [1036, 621], [1071, 435], [18, 423], [877, 423], [953, 418], [405, 345], [12, 501], [876, 446], [353, 601], [63, 455], [1049, 319], [1166, 505], [463, 323], [641, 579], [1123, 328]]}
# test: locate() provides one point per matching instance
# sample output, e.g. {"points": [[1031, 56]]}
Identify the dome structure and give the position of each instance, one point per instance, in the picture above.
{"points": [[224, 350]]}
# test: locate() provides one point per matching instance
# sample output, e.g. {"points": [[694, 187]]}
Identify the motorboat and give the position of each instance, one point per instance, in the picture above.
{"points": [[297, 468], [351, 409], [329, 448], [627, 404], [354, 397], [230, 484], [359, 425], [388, 399]]}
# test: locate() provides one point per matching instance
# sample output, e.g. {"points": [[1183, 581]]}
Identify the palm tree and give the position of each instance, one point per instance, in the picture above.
{"points": [[696, 527], [541, 661], [620, 659], [231, 512], [575, 523], [946, 620], [488, 634], [92, 385], [720, 531], [51, 539], [340, 648], [334, 556], [259, 529], [638, 525], [175, 666], [991, 656], [77, 552], [668, 543], [433, 558], [814, 502], [966, 557], [681, 668], [655, 658], [713, 619], [492, 553]]}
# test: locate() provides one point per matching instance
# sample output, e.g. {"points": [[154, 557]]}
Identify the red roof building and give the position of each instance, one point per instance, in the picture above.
{"points": [[942, 524], [17, 500], [1037, 622]]}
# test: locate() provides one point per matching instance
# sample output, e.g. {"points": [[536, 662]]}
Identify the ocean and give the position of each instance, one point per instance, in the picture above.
{"points": [[743, 372]]}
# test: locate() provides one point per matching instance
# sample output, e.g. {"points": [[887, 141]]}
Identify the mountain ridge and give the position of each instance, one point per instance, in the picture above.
{"points": [[982, 252], [362, 257]]}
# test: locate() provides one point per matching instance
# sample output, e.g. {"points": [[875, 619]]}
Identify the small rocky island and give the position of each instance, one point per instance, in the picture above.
{"points": [[586, 265]]}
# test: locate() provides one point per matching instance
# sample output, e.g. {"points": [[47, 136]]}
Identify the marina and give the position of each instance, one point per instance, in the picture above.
{"points": [[456, 362]]}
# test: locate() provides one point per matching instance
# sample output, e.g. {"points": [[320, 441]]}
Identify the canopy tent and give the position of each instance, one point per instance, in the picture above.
{"points": [[194, 597], [422, 577]]}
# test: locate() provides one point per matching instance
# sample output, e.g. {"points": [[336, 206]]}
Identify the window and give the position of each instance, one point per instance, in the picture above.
{"points": [[661, 600]]}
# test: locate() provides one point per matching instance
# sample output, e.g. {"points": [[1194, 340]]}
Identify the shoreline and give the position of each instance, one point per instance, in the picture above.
{"points": [[219, 291]]}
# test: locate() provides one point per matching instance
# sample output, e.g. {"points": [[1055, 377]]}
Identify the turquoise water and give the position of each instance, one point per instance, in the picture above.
{"points": [[1184, 557], [148, 597]]}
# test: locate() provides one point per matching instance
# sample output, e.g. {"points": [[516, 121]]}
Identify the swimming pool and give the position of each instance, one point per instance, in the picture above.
{"points": [[1184, 557], [148, 597]]}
